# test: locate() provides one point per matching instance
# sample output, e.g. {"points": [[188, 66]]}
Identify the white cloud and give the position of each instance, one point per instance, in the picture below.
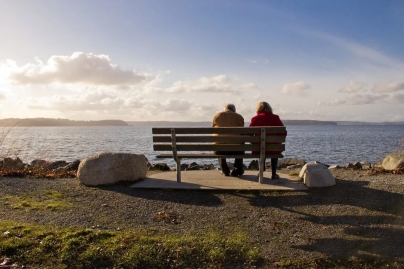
{"points": [[173, 104], [395, 98], [388, 87], [78, 68], [297, 88], [220, 83], [177, 87], [353, 86], [366, 99], [215, 84], [335, 102], [92, 101], [248, 86]]}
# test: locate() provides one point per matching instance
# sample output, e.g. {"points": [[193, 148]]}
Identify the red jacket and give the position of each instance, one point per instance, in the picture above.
{"points": [[266, 118]]}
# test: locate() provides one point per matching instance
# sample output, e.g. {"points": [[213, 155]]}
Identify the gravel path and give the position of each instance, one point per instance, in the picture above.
{"points": [[361, 217]]}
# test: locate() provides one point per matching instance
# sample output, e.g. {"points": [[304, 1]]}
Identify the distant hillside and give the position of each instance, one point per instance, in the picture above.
{"points": [[42, 122], [308, 122], [171, 123], [370, 123]]}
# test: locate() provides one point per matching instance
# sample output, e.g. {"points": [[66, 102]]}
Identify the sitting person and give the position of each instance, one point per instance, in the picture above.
{"points": [[229, 118], [265, 117]]}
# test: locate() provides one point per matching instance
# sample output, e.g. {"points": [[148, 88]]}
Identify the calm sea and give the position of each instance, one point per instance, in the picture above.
{"points": [[330, 144]]}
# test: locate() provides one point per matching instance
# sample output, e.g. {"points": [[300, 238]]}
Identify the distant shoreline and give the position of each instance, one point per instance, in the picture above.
{"points": [[50, 122]]}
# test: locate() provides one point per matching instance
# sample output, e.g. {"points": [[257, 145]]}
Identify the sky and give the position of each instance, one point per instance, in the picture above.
{"points": [[184, 60]]}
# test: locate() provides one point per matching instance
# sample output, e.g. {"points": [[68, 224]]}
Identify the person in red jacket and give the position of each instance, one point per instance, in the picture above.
{"points": [[265, 117]]}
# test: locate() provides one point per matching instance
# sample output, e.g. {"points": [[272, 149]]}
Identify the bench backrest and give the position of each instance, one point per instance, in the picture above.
{"points": [[219, 138]]}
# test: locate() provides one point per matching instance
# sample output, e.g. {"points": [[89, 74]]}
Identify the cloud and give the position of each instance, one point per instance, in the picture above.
{"points": [[78, 68], [248, 86], [214, 84], [173, 104], [297, 88], [93, 101], [395, 98], [335, 102], [388, 87], [365, 99], [353, 87], [220, 83]]}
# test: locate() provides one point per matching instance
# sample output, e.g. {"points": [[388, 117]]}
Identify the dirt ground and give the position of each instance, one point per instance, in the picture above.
{"points": [[361, 217]]}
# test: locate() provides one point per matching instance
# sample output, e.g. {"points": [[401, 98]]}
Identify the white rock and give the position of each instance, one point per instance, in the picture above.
{"points": [[109, 168], [316, 175], [393, 161]]}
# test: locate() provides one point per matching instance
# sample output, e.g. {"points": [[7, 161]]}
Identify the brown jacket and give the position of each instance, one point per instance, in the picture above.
{"points": [[228, 119]]}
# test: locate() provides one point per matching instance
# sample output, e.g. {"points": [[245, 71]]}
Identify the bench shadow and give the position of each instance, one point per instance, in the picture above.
{"points": [[379, 243], [186, 197], [376, 232], [352, 193]]}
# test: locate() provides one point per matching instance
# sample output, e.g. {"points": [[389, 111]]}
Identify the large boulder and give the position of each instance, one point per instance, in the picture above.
{"points": [[110, 168], [316, 175], [393, 161]]}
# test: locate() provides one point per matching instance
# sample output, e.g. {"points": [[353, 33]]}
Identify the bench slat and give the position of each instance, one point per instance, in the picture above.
{"points": [[209, 156], [220, 139], [218, 147], [221, 130]]}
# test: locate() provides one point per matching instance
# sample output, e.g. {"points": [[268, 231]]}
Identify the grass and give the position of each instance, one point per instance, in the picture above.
{"points": [[49, 247], [33, 245], [52, 200]]}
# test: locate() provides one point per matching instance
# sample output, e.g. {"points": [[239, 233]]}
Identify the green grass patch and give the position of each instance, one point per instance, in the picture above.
{"points": [[86, 248], [49, 200], [294, 173]]}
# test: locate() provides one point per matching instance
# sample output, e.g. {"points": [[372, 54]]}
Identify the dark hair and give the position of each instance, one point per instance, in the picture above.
{"points": [[230, 107]]}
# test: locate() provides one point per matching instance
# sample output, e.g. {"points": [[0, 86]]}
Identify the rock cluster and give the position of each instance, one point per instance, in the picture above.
{"points": [[57, 166], [286, 163]]}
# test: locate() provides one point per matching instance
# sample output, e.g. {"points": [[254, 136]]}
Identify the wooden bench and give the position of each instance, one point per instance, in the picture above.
{"points": [[196, 143]]}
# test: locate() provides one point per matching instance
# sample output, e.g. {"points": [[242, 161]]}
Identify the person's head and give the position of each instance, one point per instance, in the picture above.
{"points": [[230, 107], [263, 106]]}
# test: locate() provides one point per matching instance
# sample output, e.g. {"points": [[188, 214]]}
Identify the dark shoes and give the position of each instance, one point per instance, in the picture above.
{"points": [[237, 172], [275, 176]]}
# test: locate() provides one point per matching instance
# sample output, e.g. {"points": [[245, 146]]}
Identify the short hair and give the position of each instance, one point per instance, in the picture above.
{"points": [[230, 107], [263, 106]]}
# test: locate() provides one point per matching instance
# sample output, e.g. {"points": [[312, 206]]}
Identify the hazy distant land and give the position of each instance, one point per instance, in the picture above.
{"points": [[43, 122]]}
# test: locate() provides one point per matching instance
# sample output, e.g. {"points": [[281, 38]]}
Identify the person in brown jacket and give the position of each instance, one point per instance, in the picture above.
{"points": [[229, 118]]}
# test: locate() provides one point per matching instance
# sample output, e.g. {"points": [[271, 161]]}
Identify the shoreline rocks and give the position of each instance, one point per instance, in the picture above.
{"points": [[285, 163]]}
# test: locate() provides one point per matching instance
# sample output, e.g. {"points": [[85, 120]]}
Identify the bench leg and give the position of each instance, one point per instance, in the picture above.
{"points": [[179, 170], [261, 171]]}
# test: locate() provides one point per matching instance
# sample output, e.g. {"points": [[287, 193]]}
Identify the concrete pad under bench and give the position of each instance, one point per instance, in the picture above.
{"points": [[214, 180]]}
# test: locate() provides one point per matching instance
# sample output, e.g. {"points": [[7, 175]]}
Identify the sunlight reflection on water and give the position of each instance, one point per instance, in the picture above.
{"points": [[326, 143]]}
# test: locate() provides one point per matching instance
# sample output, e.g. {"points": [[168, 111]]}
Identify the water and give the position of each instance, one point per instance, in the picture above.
{"points": [[330, 144]]}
